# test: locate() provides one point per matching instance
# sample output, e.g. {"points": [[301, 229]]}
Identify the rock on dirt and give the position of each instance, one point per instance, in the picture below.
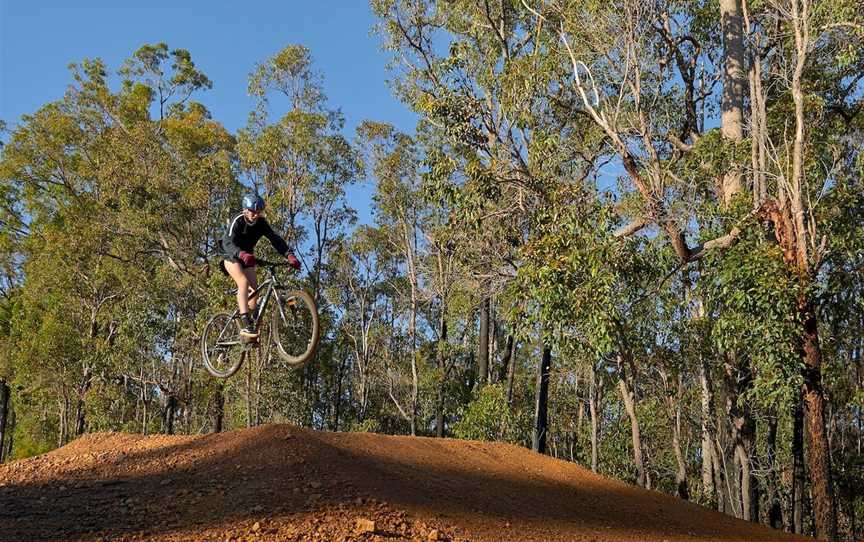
{"points": [[365, 526]]}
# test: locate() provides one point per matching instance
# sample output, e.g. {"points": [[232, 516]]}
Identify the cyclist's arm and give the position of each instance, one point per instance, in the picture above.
{"points": [[229, 244], [278, 243]]}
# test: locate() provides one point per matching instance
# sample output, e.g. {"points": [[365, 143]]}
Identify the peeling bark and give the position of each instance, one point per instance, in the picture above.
{"points": [[819, 452]]}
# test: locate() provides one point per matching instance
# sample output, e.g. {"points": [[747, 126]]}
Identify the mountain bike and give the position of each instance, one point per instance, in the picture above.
{"points": [[286, 312]]}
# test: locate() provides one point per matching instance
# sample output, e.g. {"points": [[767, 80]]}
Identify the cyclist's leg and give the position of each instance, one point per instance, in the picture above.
{"points": [[238, 273], [252, 280]]}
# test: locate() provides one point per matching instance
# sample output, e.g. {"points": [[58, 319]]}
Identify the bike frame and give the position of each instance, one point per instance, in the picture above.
{"points": [[271, 284]]}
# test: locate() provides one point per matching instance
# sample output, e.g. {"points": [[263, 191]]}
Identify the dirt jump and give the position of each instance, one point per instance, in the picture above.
{"points": [[281, 482]]}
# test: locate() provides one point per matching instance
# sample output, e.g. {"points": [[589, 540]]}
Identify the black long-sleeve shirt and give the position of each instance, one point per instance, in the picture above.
{"points": [[242, 236]]}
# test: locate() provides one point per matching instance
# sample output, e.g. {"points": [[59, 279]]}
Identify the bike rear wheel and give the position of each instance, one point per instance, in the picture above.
{"points": [[222, 347], [295, 326]]}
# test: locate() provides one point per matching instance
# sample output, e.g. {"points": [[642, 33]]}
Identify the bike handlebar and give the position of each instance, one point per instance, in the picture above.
{"points": [[265, 263]]}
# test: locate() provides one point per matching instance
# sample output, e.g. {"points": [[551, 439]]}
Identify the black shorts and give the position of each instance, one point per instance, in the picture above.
{"points": [[222, 260]]}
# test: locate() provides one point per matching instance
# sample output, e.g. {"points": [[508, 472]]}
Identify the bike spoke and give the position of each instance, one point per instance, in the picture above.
{"points": [[295, 327], [222, 351]]}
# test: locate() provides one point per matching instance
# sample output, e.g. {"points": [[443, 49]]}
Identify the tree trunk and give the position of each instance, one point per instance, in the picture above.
{"points": [[146, 403], [541, 406], [819, 452], [673, 412], [798, 468], [249, 392], [493, 344], [10, 428], [775, 511], [758, 124], [593, 393], [337, 399], [258, 399], [628, 395], [170, 408], [188, 397], [310, 392], [218, 411], [415, 379], [504, 369], [711, 479], [681, 489], [63, 437], [745, 480], [511, 372], [739, 378], [80, 411], [442, 372], [580, 418], [4, 415], [709, 456], [472, 370], [483, 345], [727, 486], [80, 418], [734, 87]]}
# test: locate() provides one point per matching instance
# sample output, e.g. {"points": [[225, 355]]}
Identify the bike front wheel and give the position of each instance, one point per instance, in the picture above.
{"points": [[222, 346], [295, 326]]}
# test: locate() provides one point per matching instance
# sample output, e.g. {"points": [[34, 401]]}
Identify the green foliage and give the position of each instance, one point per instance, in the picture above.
{"points": [[366, 426], [752, 300], [290, 73], [583, 278], [489, 417]]}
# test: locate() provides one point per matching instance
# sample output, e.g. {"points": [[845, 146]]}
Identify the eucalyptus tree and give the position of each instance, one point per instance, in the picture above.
{"points": [[394, 164], [110, 201], [360, 293], [444, 278]]}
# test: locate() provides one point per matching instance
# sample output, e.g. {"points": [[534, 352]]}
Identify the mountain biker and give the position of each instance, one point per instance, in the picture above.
{"points": [[237, 245]]}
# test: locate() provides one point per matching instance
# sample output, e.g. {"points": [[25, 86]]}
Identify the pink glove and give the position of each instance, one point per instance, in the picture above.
{"points": [[293, 261], [247, 259]]}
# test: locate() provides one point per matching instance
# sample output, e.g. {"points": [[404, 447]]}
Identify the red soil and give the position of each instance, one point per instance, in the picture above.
{"points": [[280, 482]]}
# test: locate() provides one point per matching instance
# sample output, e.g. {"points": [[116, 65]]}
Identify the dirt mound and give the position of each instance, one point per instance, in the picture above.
{"points": [[284, 483]]}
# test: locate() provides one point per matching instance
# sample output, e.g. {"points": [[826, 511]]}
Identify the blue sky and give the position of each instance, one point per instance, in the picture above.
{"points": [[38, 40]]}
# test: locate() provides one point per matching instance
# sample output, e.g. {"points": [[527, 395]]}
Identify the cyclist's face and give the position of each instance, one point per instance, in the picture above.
{"points": [[251, 215]]}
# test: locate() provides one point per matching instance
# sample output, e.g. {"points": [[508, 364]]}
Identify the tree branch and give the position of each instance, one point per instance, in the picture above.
{"points": [[631, 228]]}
